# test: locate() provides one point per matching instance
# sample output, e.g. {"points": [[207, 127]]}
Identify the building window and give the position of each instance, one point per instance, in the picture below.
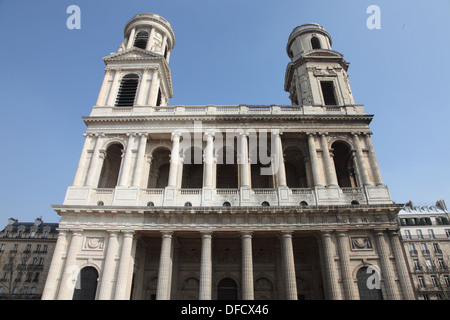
{"points": [[412, 249], [127, 91], [111, 167], [343, 163], [431, 233], [141, 40], [408, 234], [424, 248], [315, 43], [437, 248], [328, 93], [419, 234], [421, 281], [416, 265]]}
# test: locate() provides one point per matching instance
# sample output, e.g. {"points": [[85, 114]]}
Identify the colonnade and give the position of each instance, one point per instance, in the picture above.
{"points": [[116, 275], [323, 171]]}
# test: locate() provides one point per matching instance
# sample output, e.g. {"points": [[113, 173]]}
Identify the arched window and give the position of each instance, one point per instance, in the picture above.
{"points": [[227, 168], [86, 284], [159, 171], [343, 162], [315, 43], [192, 169], [111, 167], [127, 91], [141, 39], [294, 163], [227, 290], [368, 290]]}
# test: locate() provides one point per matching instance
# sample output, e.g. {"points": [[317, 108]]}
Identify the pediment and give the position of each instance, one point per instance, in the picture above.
{"points": [[132, 54]]}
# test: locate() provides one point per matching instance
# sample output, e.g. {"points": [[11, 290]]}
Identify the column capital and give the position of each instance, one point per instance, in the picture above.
{"points": [[175, 135], [286, 234], [277, 132], [246, 234], [166, 234], [127, 233]]}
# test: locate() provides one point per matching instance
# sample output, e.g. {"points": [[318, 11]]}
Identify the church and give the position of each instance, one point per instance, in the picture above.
{"points": [[225, 202]]}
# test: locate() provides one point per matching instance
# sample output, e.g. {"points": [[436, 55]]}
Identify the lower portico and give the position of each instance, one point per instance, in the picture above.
{"points": [[228, 252]]}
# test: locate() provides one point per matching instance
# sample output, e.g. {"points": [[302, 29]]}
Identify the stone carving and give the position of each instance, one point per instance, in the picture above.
{"points": [[361, 243], [94, 243]]}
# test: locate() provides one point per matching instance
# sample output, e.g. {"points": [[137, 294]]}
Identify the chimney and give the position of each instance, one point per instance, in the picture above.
{"points": [[441, 204], [38, 221], [12, 221]]}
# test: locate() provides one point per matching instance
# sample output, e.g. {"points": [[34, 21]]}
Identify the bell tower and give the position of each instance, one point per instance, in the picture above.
{"points": [[138, 74], [317, 75]]}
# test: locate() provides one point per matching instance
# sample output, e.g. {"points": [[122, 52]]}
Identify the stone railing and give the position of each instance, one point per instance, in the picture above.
{"points": [[227, 110]]}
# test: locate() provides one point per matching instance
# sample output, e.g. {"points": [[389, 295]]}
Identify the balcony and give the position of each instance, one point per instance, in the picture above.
{"points": [[124, 196], [205, 110]]}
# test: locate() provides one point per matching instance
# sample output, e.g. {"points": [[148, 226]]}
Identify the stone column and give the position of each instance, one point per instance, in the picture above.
{"points": [[154, 88], [106, 85], [346, 273], [165, 268], [329, 163], [206, 267], [287, 255], [174, 160], [131, 38], [314, 162], [80, 175], [143, 88], [280, 169], [140, 161], [247, 266], [387, 272], [245, 167], [111, 101], [331, 273], [360, 159], [67, 284], [124, 267], [51, 284], [373, 161], [209, 160], [96, 163], [124, 179], [150, 39], [402, 269], [109, 267]]}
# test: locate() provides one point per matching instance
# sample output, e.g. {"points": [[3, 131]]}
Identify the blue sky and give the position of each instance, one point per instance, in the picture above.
{"points": [[227, 52]]}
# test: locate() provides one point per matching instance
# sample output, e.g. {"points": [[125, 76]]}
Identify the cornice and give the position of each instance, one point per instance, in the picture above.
{"points": [[249, 118], [374, 209]]}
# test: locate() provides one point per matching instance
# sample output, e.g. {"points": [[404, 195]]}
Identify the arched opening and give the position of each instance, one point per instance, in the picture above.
{"points": [[159, 170], [127, 90], [86, 287], [141, 40], [294, 163], [264, 289], [227, 169], [315, 43], [303, 289], [111, 167], [227, 290], [192, 169], [369, 284], [189, 289], [343, 162]]}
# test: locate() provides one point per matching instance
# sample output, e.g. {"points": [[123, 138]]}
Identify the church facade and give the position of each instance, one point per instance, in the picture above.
{"points": [[227, 202]]}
